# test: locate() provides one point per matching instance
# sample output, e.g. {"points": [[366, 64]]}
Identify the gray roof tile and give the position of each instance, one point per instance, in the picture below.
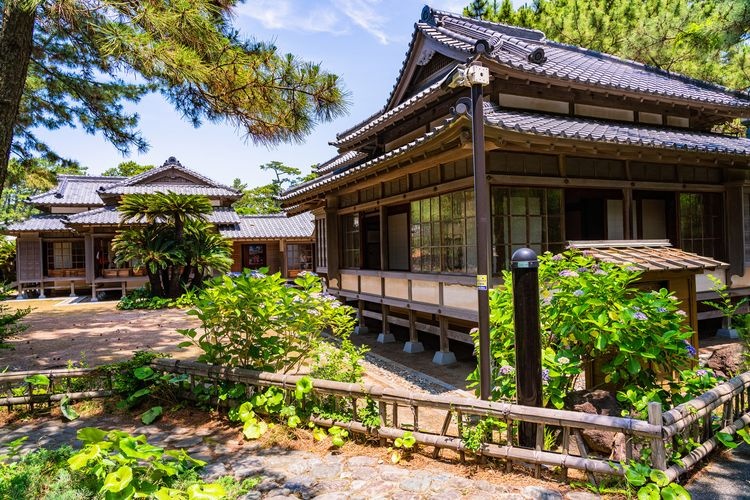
{"points": [[343, 160], [76, 190], [110, 216], [614, 132], [174, 188], [38, 223], [271, 227]]}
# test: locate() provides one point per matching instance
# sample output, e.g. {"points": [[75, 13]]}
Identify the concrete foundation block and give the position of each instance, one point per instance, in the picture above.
{"points": [[727, 333], [361, 330], [444, 358], [385, 338], [413, 347]]}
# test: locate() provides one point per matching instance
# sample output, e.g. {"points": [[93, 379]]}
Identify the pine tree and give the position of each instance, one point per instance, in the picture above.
{"points": [[63, 62]]}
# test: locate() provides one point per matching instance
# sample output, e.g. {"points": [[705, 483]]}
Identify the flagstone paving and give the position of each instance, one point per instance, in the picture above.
{"points": [[289, 473]]}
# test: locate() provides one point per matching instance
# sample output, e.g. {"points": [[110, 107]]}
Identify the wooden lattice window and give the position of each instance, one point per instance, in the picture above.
{"points": [[66, 255], [702, 224], [525, 217], [350, 233], [443, 234]]}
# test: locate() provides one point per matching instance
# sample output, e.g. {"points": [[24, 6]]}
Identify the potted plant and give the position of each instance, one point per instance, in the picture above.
{"points": [[727, 307]]}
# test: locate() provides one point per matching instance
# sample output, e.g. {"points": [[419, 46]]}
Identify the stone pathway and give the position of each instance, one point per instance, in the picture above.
{"points": [[289, 473], [727, 477]]}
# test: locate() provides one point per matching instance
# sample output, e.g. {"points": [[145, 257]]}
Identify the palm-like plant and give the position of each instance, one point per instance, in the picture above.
{"points": [[174, 241]]}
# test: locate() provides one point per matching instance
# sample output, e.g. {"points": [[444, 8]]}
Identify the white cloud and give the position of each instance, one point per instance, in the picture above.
{"points": [[292, 15], [366, 15], [455, 6]]}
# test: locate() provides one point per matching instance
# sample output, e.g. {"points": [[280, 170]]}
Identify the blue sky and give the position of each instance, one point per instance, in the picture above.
{"points": [[363, 41]]}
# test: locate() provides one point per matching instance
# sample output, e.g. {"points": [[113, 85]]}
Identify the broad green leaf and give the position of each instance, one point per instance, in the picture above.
{"points": [[37, 379], [726, 439], [165, 493], [659, 478], [293, 421], [118, 480], [319, 434], [184, 344], [634, 477], [744, 434], [649, 492], [254, 429], [68, 411], [140, 394], [246, 411], [91, 435], [133, 448], [143, 372], [395, 456], [83, 457], [337, 441], [675, 492], [149, 416], [633, 366], [206, 491]]}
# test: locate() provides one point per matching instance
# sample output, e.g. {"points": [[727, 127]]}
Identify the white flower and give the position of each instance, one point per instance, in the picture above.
{"points": [[563, 360]]}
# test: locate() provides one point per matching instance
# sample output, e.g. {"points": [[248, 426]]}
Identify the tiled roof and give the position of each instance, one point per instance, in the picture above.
{"points": [[39, 223], [78, 190], [110, 216], [140, 183], [174, 188], [511, 47], [335, 176], [581, 129], [562, 127], [271, 227], [647, 255], [341, 161]]}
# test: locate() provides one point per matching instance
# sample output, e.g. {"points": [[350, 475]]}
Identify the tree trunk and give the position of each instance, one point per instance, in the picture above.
{"points": [[153, 279], [16, 40]]}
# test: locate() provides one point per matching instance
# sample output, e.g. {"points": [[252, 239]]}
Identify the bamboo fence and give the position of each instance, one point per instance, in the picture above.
{"points": [[724, 408]]}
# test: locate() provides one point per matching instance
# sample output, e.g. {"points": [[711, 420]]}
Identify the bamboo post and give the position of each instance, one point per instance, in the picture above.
{"points": [[395, 415], [509, 443], [30, 389], [658, 450], [539, 447], [443, 432], [584, 454], [565, 450], [415, 411], [460, 425]]}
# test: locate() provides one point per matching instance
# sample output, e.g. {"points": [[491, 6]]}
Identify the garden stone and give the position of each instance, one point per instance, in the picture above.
{"points": [[539, 493], [213, 471], [446, 494], [619, 453], [250, 495], [415, 484], [268, 484], [597, 402], [404, 496], [726, 359], [326, 471], [337, 495], [362, 461], [582, 495], [390, 473]]}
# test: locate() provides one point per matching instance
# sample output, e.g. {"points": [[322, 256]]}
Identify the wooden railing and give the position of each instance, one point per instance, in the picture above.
{"points": [[19, 388], [439, 421]]}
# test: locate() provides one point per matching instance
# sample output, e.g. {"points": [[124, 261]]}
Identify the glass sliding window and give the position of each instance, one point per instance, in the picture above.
{"points": [[65, 255], [298, 258], [321, 240], [443, 232], [351, 238], [525, 217], [701, 224], [254, 256]]}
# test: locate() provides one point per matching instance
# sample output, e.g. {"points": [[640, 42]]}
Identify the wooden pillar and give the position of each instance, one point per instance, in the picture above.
{"points": [[383, 239], [627, 213], [735, 234], [413, 346], [88, 250], [385, 336], [444, 356], [332, 240], [361, 328]]}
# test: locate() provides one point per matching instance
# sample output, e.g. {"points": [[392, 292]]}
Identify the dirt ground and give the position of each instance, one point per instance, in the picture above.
{"points": [[96, 333]]}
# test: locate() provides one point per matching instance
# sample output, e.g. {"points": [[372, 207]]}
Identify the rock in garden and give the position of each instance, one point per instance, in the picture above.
{"points": [[726, 360], [600, 403]]}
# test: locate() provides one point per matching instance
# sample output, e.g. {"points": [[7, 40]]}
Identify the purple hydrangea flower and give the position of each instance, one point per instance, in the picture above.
{"points": [[582, 270], [690, 349], [578, 293], [640, 316], [701, 373], [557, 256], [545, 376], [567, 273], [680, 312], [662, 309], [507, 370]]}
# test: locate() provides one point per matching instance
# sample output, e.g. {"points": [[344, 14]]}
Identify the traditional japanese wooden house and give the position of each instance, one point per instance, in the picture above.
{"points": [[580, 146], [69, 244]]}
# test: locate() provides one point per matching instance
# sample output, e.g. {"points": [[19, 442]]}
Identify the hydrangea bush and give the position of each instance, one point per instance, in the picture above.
{"points": [[257, 321], [591, 310]]}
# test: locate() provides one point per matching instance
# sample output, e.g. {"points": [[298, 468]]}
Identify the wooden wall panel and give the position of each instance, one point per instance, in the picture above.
{"points": [[29, 259]]}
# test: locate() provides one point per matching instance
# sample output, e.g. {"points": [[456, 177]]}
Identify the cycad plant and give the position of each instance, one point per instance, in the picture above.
{"points": [[171, 240]]}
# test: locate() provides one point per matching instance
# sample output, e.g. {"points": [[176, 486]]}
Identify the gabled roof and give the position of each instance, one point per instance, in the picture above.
{"points": [[74, 190], [273, 226], [109, 216], [513, 48], [647, 255], [37, 223], [341, 161], [171, 176]]}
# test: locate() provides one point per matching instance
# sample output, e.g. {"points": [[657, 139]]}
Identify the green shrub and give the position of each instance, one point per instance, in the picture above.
{"points": [[340, 363], [590, 310], [20, 479], [257, 321]]}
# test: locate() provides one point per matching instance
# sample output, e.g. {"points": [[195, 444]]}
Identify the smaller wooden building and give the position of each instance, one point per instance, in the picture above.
{"points": [[69, 245]]}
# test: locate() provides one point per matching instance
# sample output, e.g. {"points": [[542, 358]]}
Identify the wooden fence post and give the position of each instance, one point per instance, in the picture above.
{"points": [[658, 450]]}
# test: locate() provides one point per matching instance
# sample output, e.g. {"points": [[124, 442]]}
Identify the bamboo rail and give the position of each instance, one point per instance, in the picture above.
{"points": [[11, 383]]}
